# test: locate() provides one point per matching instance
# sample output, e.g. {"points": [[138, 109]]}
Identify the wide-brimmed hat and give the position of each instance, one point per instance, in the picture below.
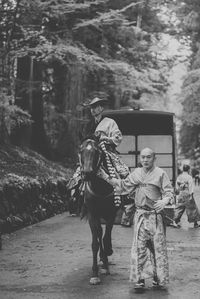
{"points": [[97, 100]]}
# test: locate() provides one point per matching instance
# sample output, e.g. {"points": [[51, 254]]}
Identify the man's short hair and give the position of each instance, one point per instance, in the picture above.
{"points": [[150, 150], [186, 167]]}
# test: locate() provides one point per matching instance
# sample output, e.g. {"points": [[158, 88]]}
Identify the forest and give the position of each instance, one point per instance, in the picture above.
{"points": [[55, 55]]}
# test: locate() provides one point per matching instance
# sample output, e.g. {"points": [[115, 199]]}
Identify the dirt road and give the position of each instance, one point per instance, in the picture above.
{"points": [[52, 260]]}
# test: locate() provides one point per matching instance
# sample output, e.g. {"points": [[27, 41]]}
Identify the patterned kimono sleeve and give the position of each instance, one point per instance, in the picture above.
{"points": [[166, 188], [108, 127], [115, 133]]}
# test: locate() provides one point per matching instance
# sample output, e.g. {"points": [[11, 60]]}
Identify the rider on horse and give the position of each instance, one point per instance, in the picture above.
{"points": [[107, 130]]}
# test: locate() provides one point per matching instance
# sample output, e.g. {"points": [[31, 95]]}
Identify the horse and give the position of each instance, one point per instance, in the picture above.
{"points": [[99, 204]]}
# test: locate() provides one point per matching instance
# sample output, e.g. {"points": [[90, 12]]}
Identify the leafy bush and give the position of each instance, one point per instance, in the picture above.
{"points": [[11, 116]]}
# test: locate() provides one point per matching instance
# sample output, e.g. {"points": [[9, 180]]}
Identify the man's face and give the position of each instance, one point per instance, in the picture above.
{"points": [[147, 158], [96, 110]]}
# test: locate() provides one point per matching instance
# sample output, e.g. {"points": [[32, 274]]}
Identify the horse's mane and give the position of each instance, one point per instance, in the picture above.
{"points": [[92, 137]]}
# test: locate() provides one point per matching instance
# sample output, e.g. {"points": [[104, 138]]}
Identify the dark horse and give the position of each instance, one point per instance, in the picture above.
{"points": [[99, 203]]}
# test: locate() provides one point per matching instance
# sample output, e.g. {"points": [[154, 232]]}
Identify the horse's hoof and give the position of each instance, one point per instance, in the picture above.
{"points": [[95, 280], [104, 271]]}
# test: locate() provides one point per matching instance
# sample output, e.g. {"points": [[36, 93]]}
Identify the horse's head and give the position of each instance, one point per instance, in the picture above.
{"points": [[90, 157]]}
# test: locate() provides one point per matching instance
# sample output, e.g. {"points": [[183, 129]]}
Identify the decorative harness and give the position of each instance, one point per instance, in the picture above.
{"points": [[111, 171]]}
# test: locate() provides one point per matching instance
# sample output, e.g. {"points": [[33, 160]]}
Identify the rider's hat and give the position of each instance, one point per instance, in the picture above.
{"points": [[97, 100]]}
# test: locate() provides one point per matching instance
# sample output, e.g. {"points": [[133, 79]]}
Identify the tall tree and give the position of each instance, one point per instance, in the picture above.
{"points": [[189, 13], [11, 116], [81, 48]]}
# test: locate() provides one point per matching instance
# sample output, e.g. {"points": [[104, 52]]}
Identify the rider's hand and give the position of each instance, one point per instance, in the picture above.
{"points": [[97, 134], [106, 139]]}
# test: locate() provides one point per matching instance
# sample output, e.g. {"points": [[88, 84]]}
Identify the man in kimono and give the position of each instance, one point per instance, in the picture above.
{"points": [[104, 127], [185, 198], [153, 191]]}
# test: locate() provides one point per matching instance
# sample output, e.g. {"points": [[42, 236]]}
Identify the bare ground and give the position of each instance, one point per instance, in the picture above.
{"points": [[52, 260]]}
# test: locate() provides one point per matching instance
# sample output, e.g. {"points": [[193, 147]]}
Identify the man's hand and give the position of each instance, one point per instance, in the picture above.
{"points": [[114, 182], [106, 140], [160, 205]]}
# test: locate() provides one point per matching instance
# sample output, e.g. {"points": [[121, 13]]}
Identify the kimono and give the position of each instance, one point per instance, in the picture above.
{"points": [[185, 199], [109, 128], [106, 127], [149, 251]]}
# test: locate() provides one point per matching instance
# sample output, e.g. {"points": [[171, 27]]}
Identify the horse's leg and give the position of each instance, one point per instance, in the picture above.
{"points": [[107, 240], [105, 266], [102, 254], [94, 226], [107, 246], [101, 250]]}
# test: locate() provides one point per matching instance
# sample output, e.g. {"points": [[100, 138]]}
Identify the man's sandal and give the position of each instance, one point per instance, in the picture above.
{"points": [[157, 286], [139, 286]]}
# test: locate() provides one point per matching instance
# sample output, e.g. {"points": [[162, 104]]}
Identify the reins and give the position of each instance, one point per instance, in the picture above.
{"points": [[98, 163]]}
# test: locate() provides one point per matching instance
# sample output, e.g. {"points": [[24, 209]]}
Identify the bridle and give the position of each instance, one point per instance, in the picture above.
{"points": [[93, 150]]}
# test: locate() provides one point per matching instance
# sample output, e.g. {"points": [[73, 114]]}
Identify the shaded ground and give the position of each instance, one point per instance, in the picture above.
{"points": [[52, 260]]}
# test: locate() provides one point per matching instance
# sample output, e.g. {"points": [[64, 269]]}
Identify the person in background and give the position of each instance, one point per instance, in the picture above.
{"points": [[185, 199], [153, 191]]}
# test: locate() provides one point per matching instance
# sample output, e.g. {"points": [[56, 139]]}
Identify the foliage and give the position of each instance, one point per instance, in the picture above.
{"points": [[55, 124], [189, 139], [31, 188], [190, 96], [90, 46], [11, 116], [190, 129]]}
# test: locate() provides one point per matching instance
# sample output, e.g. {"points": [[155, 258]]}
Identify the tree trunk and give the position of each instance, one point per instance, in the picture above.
{"points": [[29, 98], [39, 140], [22, 136]]}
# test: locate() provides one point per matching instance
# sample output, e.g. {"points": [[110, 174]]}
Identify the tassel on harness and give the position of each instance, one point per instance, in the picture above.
{"points": [[111, 171]]}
